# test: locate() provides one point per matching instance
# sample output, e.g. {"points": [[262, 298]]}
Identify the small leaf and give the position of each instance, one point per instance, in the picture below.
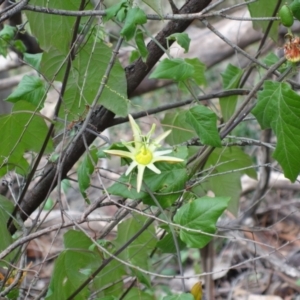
{"points": [[140, 42], [196, 290], [113, 10], [182, 40], [201, 214], [231, 79], [7, 33], [176, 68], [33, 60], [134, 17], [31, 89], [19, 46], [204, 122], [278, 107], [85, 170]]}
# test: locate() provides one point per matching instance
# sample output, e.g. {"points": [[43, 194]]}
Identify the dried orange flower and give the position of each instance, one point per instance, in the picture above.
{"points": [[292, 49]]}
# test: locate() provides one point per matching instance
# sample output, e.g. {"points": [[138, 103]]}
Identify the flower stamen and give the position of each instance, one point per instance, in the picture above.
{"points": [[144, 156]]}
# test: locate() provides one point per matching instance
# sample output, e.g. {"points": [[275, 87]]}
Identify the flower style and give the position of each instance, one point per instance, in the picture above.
{"points": [[143, 152]]}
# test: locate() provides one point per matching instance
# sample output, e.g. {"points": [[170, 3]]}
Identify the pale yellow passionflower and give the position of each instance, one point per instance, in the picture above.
{"points": [[143, 152]]}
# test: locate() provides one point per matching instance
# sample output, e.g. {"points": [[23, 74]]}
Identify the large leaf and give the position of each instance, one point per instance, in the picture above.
{"points": [[264, 8], [53, 30], [31, 89], [200, 214], [22, 130], [278, 107], [86, 76], [181, 130], [204, 122], [233, 162], [73, 267], [137, 253], [231, 79]]}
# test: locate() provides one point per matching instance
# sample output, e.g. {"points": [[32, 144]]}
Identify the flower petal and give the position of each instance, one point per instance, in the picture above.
{"points": [[140, 174], [167, 158], [131, 167], [153, 168], [161, 137], [162, 152], [120, 153], [136, 132]]}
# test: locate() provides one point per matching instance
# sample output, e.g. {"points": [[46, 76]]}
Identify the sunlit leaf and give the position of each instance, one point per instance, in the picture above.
{"points": [[176, 68], [278, 107]]}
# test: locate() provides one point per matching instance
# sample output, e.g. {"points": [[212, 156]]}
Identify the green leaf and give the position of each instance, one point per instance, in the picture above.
{"points": [[73, 266], [167, 185], [31, 89], [199, 70], [22, 130], [180, 297], [177, 69], [113, 10], [33, 60], [76, 239], [71, 269], [231, 79], [201, 214], [6, 208], [137, 253], [7, 33], [230, 161], [156, 5], [181, 130], [167, 245], [87, 74], [182, 40], [138, 294], [204, 122], [53, 31], [278, 107], [134, 17], [264, 8], [19, 46], [85, 170], [139, 39]]}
